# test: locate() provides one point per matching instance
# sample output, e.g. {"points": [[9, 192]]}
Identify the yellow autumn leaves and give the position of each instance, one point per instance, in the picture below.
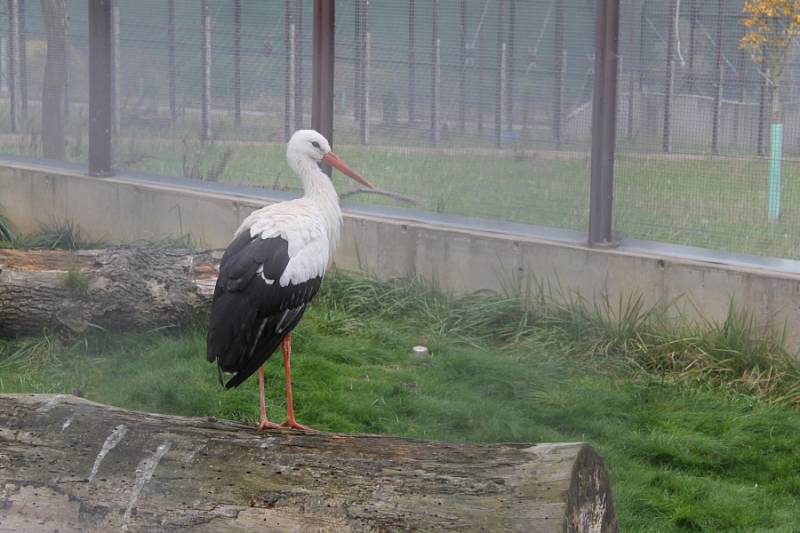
{"points": [[771, 24]]}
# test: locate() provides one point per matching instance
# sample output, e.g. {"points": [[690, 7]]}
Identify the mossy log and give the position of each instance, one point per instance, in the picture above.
{"points": [[71, 465], [115, 288]]}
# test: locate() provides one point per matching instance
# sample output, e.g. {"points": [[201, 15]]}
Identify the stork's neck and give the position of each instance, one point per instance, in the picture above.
{"points": [[319, 189]]}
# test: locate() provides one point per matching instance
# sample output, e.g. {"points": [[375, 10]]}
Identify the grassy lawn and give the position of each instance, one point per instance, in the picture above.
{"points": [[683, 454]]}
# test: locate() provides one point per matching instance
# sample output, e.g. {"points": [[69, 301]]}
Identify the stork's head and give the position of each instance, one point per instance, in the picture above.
{"points": [[307, 146]]}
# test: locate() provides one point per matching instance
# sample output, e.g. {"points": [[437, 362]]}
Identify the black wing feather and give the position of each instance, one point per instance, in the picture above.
{"points": [[250, 318]]}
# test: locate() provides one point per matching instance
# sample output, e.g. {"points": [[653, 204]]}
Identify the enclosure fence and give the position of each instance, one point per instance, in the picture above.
{"points": [[482, 108]]}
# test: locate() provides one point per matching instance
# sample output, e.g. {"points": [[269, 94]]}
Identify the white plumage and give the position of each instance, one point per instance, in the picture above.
{"points": [[273, 268], [311, 235]]}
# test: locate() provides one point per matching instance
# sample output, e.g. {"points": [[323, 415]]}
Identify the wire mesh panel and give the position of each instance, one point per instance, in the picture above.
{"points": [[455, 106], [693, 160], [201, 81], [24, 34], [467, 106]]}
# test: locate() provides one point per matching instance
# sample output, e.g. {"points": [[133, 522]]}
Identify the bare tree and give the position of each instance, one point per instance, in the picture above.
{"points": [[55, 70]]}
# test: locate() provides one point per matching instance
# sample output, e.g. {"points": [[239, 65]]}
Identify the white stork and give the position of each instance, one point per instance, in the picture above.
{"points": [[273, 268]]}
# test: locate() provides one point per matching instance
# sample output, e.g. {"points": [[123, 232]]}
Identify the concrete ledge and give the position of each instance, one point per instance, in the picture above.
{"points": [[456, 253]]}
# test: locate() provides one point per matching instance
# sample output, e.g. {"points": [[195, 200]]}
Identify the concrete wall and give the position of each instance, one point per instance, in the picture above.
{"points": [[458, 254]]}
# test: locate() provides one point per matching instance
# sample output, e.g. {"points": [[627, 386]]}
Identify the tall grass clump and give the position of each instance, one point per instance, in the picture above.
{"points": [[63, 236], [736, 354], [29, 354], [6, 234], [467, 319]]}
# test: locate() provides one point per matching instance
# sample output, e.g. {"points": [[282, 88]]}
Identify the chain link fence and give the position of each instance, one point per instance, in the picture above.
{"points": [[470, 107]]}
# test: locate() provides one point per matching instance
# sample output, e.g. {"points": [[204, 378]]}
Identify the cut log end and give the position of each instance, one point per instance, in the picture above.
{"points": [[589, 503], [74, 465]]}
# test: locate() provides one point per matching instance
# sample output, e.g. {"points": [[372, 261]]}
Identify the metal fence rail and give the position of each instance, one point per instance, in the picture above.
{"points": [[524, 110]]}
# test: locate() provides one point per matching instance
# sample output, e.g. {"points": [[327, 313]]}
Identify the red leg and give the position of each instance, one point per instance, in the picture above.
{"points": [[291, 421], [264, 423]]}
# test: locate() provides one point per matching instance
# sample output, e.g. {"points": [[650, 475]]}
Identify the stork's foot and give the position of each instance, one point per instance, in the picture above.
{"points": [[266, 424], [294, 424]]}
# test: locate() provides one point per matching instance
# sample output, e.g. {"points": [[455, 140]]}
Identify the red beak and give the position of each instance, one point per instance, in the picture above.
{"points": [[334, 161]]}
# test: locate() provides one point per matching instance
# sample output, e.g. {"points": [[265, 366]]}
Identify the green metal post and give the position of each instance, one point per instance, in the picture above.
{"points": [[776, 149]]}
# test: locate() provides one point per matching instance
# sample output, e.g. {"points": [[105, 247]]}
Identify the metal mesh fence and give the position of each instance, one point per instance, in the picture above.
{"points": [[470, 107], [693, 163]]}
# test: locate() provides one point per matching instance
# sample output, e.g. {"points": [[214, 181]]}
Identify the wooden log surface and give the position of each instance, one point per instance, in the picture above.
{"points": [[70, 465], [115, 288]]}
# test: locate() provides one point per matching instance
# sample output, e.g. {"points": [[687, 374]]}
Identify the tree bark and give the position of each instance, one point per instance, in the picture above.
{"points": [[55, 80], [115, 288], [74, 465], [775, 102]]}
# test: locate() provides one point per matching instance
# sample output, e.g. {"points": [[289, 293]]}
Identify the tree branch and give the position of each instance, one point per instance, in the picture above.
{"points": [[381, 192]]}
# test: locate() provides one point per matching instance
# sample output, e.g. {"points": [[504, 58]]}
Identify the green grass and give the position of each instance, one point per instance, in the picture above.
{"points": [[684, 453]]}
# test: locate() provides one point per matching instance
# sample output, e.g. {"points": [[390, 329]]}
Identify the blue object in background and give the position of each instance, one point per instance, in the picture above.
{"points": [[776, 148]]}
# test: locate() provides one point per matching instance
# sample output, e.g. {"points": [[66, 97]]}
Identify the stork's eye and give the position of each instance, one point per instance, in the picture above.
{"points": [[315, 144]]}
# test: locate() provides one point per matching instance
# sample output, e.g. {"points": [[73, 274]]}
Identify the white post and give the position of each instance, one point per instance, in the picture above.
{"points": [[290, 83], [66, 72], [115, 68], [13, 39], [365, 90], [501, 98], [3, 64], [435, 126]]}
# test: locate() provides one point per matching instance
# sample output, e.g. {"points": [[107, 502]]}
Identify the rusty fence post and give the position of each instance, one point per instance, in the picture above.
{"points": [[100, 88], [604, 116], [323, 69]]}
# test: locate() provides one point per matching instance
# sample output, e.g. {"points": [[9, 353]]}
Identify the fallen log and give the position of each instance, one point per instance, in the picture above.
{"points": [[115, 288], [74, 465]]}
